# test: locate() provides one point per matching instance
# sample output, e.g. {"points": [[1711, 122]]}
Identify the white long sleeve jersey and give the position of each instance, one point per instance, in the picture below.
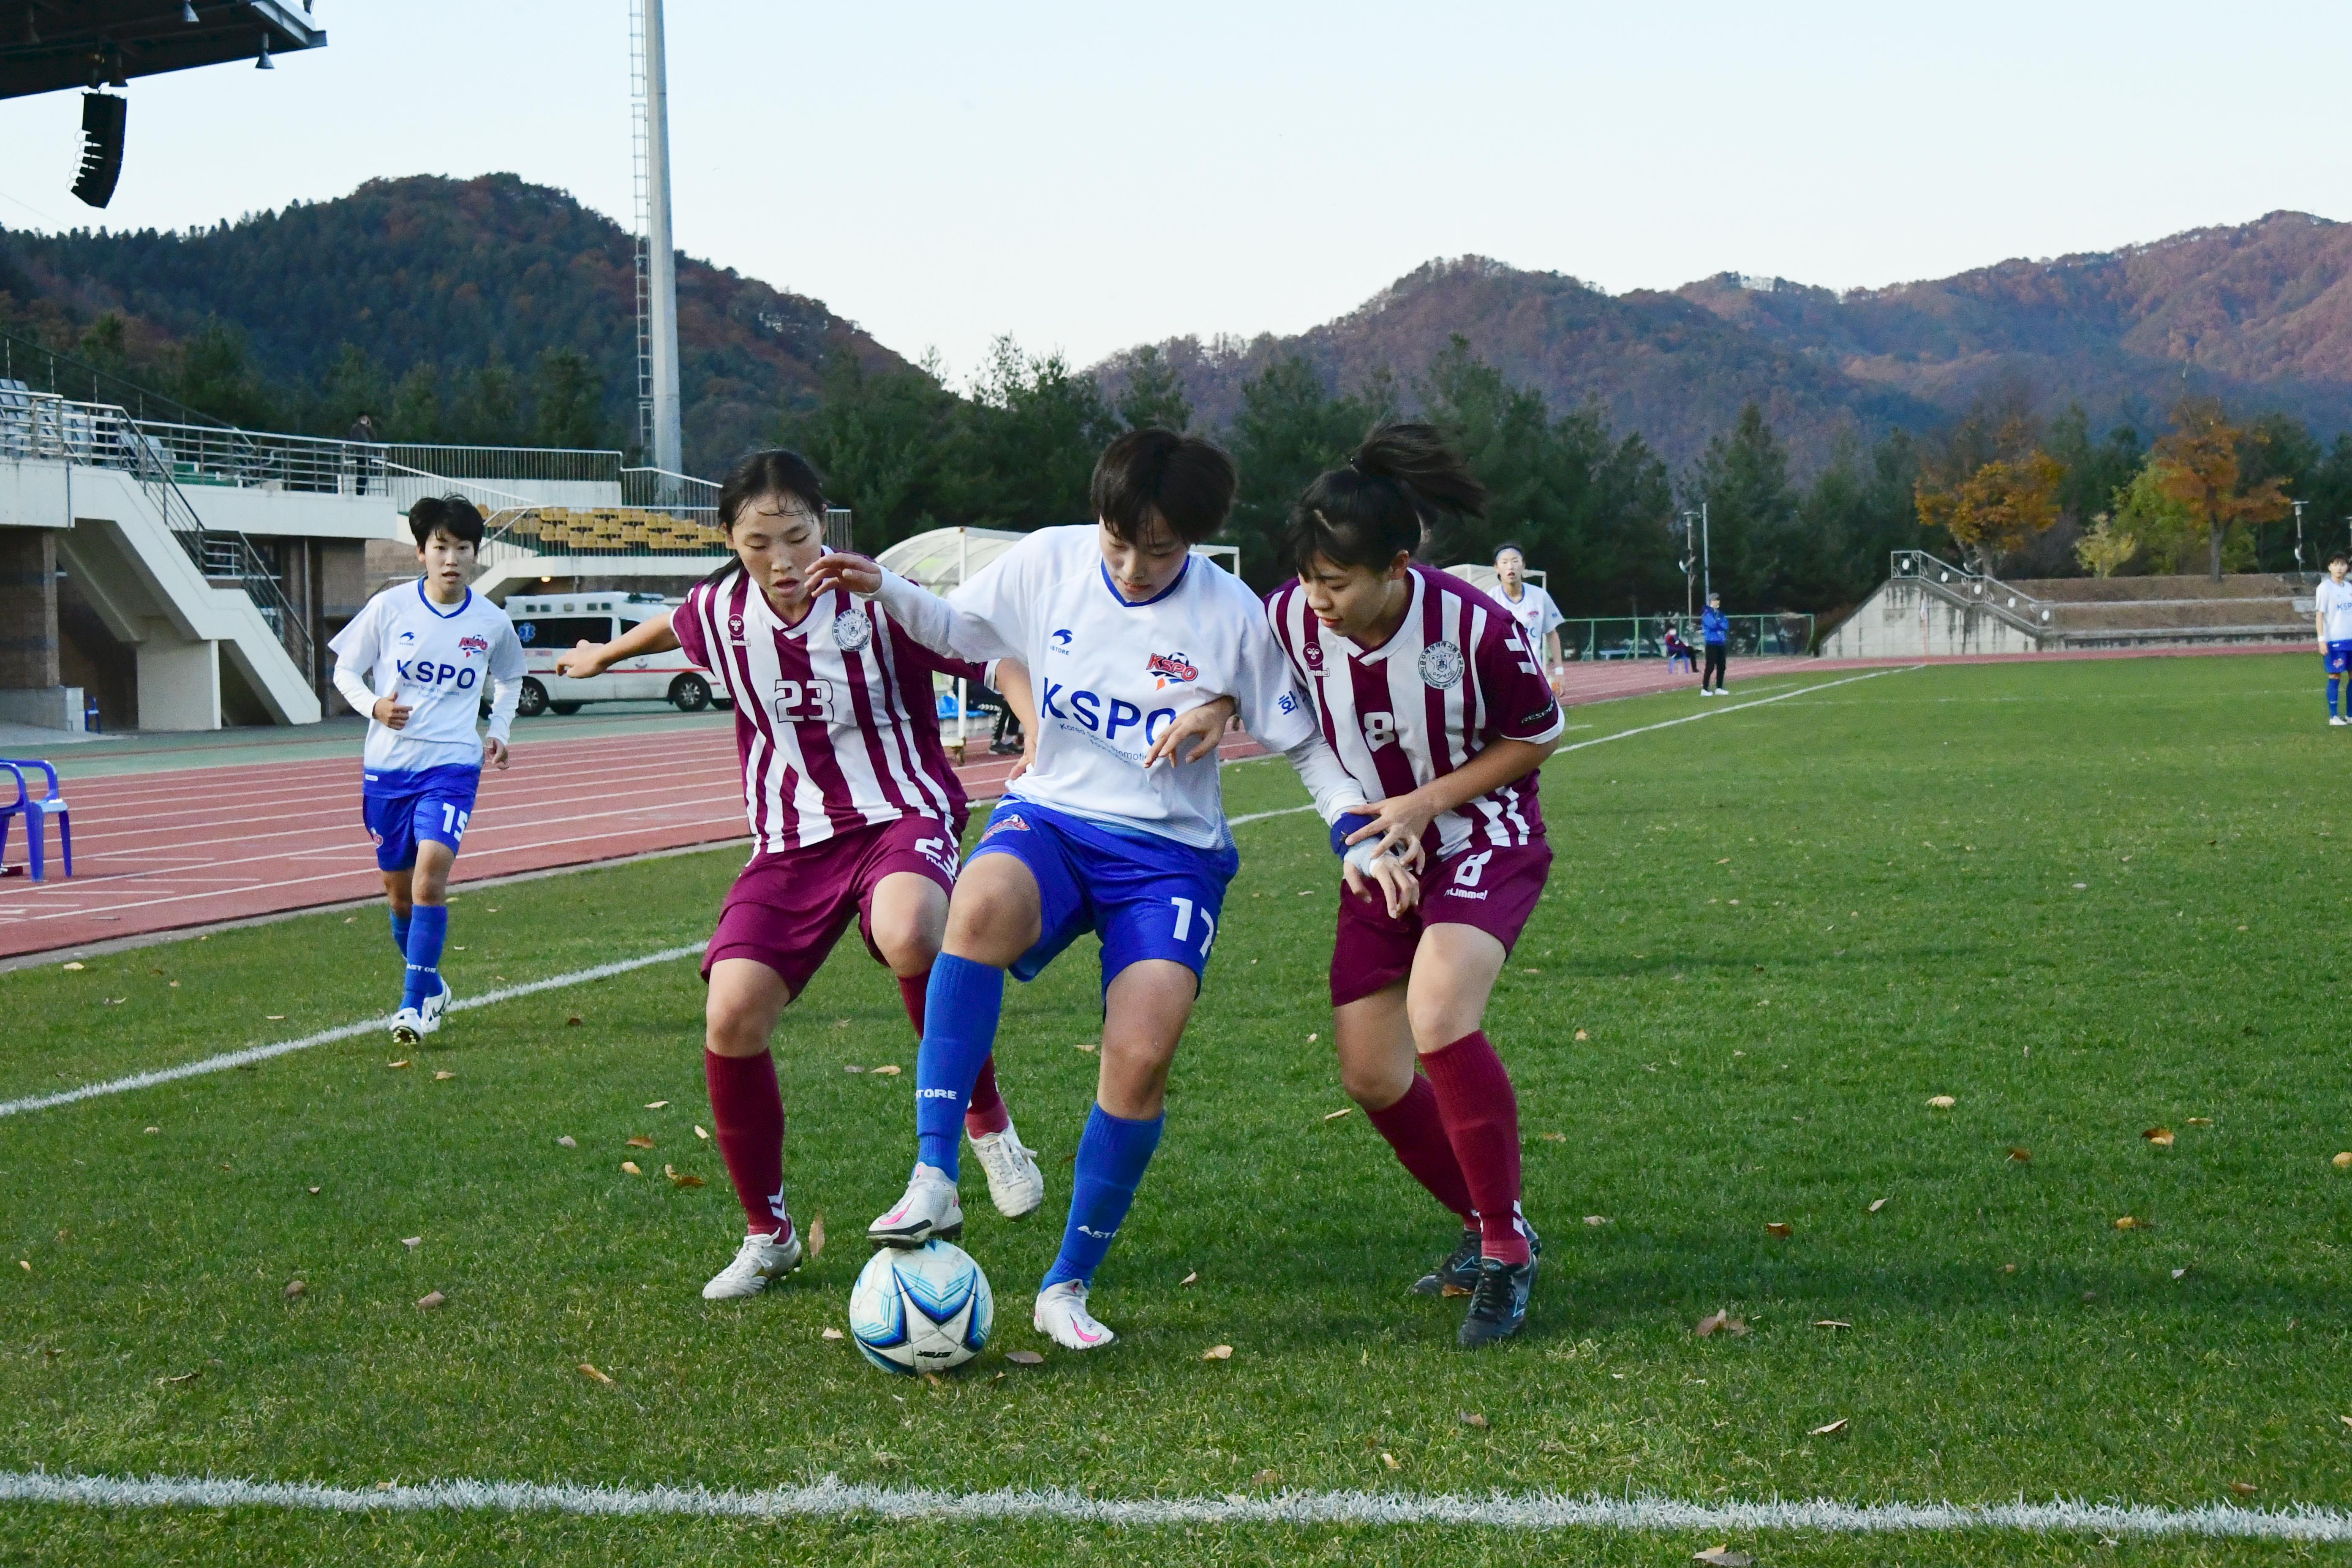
{"points": [[438, 660], [1110, 677]]}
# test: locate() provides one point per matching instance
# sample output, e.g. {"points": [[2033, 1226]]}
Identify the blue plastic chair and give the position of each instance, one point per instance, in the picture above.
{"points": [[35, 814]]}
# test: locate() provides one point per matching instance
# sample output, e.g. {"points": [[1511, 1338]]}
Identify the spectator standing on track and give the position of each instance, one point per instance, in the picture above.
{"points": [[1715, 631], [363, 435], [2332, 621]]}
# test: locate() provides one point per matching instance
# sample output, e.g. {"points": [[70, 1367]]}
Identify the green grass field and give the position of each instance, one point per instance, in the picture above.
{"points": [[2082, 900]]}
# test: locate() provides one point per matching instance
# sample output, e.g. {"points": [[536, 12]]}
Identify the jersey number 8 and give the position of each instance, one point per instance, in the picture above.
{"points": [[1379, 728]]}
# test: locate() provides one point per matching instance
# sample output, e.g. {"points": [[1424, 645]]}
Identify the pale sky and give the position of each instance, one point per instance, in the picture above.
{"points": [[1088, 176]]}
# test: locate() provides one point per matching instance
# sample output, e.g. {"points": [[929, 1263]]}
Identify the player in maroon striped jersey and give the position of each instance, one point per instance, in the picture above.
{"points": [[855, 815], [1432, 696]]}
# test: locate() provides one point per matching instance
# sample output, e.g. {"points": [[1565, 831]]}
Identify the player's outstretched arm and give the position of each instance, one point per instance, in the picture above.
{"points": [[1403, 818], [587, 658], [941, 626]]}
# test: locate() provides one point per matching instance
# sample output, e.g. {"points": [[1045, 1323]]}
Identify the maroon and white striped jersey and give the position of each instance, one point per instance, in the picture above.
{"points": [[1457, 676], [835, 717]]}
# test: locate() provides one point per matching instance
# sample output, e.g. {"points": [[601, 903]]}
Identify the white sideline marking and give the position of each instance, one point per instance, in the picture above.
{"points": [[1638, 730], [228, 1059], [1539, 1511]]}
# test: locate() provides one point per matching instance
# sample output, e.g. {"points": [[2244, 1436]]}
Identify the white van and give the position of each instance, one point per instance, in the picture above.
{"points": [[550, 624]]}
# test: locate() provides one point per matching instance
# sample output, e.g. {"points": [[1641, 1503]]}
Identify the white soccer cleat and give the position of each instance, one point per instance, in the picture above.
{"points": [[1015, 1184], [1062, 1316], [928, 1209], [760, 1259], [408, 1027], [2338, 719], [435, 1006]]}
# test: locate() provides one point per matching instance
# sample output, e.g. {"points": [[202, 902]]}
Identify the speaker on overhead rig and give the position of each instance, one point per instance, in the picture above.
{"points": [[101, 155]]}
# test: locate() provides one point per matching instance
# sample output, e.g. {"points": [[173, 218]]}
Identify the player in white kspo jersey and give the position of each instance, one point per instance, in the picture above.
{"points": [[855, 815], [1428, 690], [1136, 651]]}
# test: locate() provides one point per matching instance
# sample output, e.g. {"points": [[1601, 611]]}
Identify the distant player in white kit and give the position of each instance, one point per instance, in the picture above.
{"points": [[1136, 651], [416, 660], [2332, 621], [855, 815], [1529, 606]]}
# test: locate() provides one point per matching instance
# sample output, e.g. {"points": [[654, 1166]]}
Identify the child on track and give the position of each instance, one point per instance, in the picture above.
{"points": [[414, 661], [1429, 692], [1132, 648], [855, 815], [2332, 623]]}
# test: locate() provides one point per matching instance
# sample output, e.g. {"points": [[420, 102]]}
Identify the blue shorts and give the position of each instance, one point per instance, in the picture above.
{"points": [[1146, 896], [2338, 657], [403, 810]]}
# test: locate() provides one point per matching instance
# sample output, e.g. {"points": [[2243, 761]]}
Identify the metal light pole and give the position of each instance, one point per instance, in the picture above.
{"points": [[2298, 539], [657, 262], [1705, 554], [1689, 564]]}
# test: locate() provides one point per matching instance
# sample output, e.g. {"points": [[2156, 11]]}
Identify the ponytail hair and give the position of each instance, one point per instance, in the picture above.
{"points": [[773, 471], [1393, 490]]}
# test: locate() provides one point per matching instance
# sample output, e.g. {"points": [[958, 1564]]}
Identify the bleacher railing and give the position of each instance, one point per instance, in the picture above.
{"points": [[1788, 633], [1973, 589], [104, 436]]}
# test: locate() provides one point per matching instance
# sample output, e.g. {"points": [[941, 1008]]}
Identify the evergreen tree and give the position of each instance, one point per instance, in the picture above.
{"points": [[1153, 395]]}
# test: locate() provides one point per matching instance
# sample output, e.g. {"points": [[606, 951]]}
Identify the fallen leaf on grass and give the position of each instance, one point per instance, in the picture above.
{"points": [[2009, 1268], [698, 1133], [588, 1370], [403, 1062], [313, 1191], [1720, 1321], [1335, 1115], [411, 1242], [154, 1130], [631, 1166], [2181, 1273], [2158, 1136], [1596, 1219], [430, 1301], [1779, 1228], [295, 1288], [891, 1070], [1312, 1038], [815, 1241], [1722, 1557], [183, 1377], [656, 1104], [1092, 1046], [848, 1067], [112, 1001], [568, 1141], [1390, 1461], [1878, 1204], [77, 967], [1023, 1358], [2127, 1222], [833, 1334], [1831, 1430], [572, 1021], [2244, 1489], [2343, 1162], [1267, 1479], [678, 1178], [1189, 1278], [639, 1141], [2346, 1419], [1472, 1418], [1832, 1323], [1943, 1102], [2200, 1121], [1554, 1137], [273, 1017], [1218, 1352], [442, 1075]]}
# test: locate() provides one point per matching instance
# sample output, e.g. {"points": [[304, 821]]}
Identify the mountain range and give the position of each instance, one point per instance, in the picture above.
{"points": [[454, 274], [2259, 314]]}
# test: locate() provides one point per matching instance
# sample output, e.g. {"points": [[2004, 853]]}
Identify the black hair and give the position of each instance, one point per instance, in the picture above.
{"points": [[771, 471], [1184, 481], [451, 514], [1392, 490], [2338, 556], [1508, 547]]}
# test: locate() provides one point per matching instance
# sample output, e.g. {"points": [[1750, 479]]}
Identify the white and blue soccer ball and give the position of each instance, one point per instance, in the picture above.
{"points": [[922, 1309]]}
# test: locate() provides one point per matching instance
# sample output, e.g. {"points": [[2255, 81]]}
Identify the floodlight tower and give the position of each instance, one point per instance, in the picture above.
{"points": [[657, 405]]}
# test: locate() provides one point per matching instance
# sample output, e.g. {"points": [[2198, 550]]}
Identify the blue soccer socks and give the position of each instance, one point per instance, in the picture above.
{"points": [[2334, 682], [399, 923], [960, 1014], [1112, 1157], [428, 928]]}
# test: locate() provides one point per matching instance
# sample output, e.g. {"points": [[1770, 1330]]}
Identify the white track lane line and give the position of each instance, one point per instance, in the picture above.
{"points": [[832, 1498], [228, 1059]]}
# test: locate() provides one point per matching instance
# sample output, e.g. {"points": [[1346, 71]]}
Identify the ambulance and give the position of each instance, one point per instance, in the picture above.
{"points": [[549, 625]]}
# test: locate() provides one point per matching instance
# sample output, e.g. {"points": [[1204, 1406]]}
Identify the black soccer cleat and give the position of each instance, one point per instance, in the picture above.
{"points": [[1459, 1268], [1498, 1303]]}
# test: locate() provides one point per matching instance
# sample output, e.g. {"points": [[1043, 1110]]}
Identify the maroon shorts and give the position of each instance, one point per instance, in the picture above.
{"points": [[787, 908], [1493, 889]]}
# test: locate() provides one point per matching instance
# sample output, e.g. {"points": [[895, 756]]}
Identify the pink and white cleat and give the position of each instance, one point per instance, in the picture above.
{"points": [[1062, 1316], [927, 1208]]}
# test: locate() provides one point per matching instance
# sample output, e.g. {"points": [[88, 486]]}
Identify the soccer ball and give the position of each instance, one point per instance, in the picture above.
{"points": [[924, 1310]]}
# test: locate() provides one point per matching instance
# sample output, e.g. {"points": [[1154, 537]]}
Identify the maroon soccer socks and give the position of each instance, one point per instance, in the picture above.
{"points": [[1481, 1115], [748, 1111], [1416, 1132]]}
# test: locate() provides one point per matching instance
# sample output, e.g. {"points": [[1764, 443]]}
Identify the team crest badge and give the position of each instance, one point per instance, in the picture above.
{"points": [[468, 647], [1170, 670], [1441, 665], [852, 631]]}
